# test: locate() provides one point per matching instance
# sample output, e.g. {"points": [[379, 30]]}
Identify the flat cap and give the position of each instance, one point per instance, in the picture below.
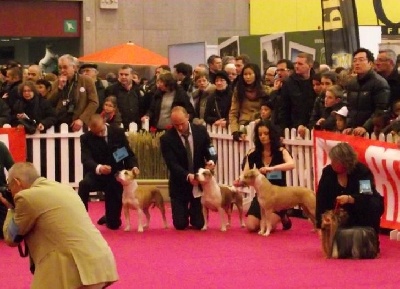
{"points": [[88, 65]]}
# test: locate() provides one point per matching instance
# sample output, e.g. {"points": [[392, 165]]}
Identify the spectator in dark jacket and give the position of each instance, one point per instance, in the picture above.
{"points": [[110, 112], [385, 65], [4, 113], [219, 102], [324, 119], [297, 94], [90, 69], [366, 94], [32, 109], [200, 96], [183, 73], [9, 92], [284, 68], [126, 92], [167, 96], [321, 110]]}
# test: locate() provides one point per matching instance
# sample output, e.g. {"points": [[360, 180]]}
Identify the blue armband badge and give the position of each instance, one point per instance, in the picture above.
{"points": [[274, 175], [365, 187], [120, 154]]}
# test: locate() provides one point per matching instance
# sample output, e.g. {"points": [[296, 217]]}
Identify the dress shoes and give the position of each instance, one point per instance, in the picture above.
{"points": [[286, 222], [102, 220]]}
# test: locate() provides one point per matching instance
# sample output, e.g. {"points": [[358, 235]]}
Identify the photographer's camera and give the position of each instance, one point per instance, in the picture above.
{"points": [[6, 193]]}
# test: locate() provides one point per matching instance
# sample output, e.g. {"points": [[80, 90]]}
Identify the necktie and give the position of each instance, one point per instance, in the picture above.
{"points": [[188, 152]]}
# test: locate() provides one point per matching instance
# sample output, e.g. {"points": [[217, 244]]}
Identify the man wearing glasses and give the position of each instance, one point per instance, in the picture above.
{"points": [[367, 93], [284, 68]]}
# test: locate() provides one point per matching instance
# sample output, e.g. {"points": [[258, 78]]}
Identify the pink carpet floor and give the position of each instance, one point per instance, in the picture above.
{"points": [[166, 258]]}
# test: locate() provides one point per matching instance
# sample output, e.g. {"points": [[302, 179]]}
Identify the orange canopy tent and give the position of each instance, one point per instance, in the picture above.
{"points": [[143, 60], [128, 53]]}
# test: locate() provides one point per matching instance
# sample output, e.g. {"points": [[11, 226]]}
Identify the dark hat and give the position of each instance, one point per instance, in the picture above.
{"points": [[222, 74], [88, 65], [267, 102]]}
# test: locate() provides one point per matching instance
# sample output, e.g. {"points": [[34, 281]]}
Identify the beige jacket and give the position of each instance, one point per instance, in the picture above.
{"points": [[242, 114], [67, 249]]}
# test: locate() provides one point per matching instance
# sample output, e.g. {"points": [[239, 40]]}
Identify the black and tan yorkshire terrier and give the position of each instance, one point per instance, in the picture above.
{"points": [[341, 242]]}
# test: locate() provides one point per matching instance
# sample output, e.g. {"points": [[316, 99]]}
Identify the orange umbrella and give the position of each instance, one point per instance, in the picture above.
{"points": [[128, 53]]}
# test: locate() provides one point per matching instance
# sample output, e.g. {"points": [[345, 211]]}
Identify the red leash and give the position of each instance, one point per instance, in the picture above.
{"points": [[337, 207]]}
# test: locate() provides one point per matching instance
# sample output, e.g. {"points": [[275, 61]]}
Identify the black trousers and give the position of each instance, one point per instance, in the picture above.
{"points": [[187, 211], [112, 191], [3, 214]]}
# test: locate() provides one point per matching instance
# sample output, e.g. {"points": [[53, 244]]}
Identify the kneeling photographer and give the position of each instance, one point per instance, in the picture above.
{"points": [[67, 249]]}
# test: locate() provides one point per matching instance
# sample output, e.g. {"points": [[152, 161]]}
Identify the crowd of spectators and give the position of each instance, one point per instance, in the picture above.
{"points": [[227, 91]]}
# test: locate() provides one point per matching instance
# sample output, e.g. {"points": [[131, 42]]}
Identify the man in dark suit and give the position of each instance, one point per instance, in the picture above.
{"points": [[105, 150], [183, 188]]}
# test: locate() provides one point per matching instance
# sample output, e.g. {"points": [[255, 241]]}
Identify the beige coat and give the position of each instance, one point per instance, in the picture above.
{"points": [[242, 114], [67, 249]]}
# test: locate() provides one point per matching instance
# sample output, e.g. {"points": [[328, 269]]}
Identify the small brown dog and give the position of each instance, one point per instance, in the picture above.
{"points": [[218, 198], [135, 198], [275, 198], [343, 243], [331, 221]]}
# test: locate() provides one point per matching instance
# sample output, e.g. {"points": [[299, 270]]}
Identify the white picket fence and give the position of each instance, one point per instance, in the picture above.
{"points": [[230, 154]]}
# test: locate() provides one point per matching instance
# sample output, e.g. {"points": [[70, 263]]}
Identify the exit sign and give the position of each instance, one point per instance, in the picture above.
{"points": [[70, 26]]}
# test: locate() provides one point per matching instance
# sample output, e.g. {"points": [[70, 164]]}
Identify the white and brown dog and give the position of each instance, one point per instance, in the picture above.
{"points": [[218, 198], [136, 198], [275, 198]]}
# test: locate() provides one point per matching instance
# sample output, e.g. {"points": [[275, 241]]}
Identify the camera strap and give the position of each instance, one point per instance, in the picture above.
{"points": [[23, 249], [70, 88]]}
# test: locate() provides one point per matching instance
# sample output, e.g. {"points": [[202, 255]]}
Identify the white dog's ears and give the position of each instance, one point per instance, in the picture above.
{"points": [[208, 173], [135, 171]]}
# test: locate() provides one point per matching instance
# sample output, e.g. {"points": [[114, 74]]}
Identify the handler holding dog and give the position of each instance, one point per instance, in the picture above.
{"points": [[351, 184], [105, 150], [186, 147], [272, 160]]}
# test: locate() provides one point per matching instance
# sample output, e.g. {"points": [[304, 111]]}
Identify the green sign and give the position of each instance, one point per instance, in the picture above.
{"points": [[70, 26]]}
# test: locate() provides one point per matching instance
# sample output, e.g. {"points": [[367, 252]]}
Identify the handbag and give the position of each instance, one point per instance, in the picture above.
{"points": [[29, 125]]}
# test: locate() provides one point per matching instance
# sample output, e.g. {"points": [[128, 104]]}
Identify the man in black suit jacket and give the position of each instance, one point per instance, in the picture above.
{"points": [[105, 150], [183, 190]]}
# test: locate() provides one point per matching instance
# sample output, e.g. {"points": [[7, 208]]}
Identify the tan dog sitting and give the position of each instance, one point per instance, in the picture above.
{"points": [[135, 198], [331, 221], [218, 198], [275, 198]]}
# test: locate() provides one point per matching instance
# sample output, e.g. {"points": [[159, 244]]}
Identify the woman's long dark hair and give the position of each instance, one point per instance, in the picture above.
{"points": [[257, 85], [274, 138]]}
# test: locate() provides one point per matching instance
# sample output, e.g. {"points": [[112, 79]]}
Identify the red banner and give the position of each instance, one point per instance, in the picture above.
{"points": [[15, 140], [381, 157]]}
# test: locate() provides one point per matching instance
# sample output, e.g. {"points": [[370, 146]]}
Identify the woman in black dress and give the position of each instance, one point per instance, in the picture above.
{"points": [[273, 160]]}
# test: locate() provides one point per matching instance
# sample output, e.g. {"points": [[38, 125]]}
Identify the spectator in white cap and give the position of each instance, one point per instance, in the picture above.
{"points": [[341, 117]]}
